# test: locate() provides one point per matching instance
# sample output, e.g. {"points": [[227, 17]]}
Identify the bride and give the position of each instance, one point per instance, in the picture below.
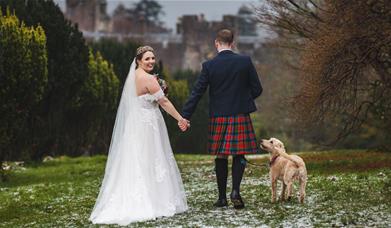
{"points": [[141, 180]]}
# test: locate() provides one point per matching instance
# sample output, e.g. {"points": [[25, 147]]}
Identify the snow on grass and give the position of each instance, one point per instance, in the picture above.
{"points": [[62, 192]]}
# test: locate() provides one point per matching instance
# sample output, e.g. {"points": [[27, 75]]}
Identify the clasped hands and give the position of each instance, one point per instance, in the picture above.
{"points": [[183, 124]]}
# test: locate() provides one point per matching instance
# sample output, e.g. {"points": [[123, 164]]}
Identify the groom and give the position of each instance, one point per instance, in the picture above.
{"points": [[233, 85]]}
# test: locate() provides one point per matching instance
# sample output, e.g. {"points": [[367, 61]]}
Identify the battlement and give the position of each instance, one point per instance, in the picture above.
{"points": [[192, 43]]}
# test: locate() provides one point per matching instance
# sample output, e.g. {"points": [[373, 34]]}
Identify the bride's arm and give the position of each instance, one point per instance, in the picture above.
{"points": [[164, 102]]}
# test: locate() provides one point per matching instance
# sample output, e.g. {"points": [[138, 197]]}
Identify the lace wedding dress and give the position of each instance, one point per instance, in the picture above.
{"points": [[141, 180]]}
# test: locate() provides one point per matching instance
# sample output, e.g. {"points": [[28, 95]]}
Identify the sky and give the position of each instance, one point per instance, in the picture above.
{"points": [[213, 10]]}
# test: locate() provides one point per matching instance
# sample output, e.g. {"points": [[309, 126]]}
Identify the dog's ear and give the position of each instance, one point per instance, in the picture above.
{"points": [[281, 146]]}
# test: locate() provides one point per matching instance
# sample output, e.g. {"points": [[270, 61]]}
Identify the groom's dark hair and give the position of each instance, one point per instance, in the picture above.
{"points": [[225, 36]]}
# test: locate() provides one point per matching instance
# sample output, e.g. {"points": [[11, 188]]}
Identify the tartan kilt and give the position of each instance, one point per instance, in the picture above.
{"points": [[231, 135]]}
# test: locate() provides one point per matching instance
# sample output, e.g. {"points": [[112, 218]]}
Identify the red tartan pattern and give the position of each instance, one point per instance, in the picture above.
{"points": [[231, 135]]}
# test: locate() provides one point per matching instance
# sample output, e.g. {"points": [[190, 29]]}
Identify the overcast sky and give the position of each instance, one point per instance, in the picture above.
{"points": [[213, 10]]}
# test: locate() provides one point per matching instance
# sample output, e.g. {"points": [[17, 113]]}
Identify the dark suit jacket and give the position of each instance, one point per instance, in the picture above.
{"points": [[233, 85]]}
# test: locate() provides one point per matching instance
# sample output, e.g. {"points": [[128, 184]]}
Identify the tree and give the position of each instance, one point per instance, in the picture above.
{"points": [[67, 72], [23, 79], [149, 10], [345, 56], [247, 21], [98, 103], [120, 55], [194, 140], [178, 93]]}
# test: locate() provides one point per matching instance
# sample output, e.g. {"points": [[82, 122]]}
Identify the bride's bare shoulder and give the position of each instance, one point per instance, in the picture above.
{"points": [[144, 75]]}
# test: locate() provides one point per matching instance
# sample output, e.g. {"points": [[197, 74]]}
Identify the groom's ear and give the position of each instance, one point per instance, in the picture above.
{"points": [[232, 45]]}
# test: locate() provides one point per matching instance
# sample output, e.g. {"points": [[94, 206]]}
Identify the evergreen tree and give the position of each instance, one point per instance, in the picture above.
{"points": [[67, 72], [23, 79], [120, 55], [98, 105], [195, 139], [149, 10]]}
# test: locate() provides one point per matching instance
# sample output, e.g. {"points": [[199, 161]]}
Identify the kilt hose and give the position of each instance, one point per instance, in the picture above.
{"points": [[231, 135]]}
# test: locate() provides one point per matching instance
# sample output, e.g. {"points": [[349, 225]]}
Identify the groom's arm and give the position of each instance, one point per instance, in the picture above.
{"points": [[198, 90], [255, 84]]}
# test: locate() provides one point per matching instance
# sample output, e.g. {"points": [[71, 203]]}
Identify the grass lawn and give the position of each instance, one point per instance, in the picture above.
{"points": [[345, 188]]}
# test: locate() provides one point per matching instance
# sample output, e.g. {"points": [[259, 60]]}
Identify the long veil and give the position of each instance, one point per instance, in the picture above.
{"points": [[142, 180], [121, 145]]}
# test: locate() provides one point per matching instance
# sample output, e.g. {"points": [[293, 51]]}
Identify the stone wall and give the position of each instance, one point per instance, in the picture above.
{"points": [[187, 49]]}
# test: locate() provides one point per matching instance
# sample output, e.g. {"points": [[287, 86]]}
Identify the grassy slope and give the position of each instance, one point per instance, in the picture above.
{"points": [[344, 188]]}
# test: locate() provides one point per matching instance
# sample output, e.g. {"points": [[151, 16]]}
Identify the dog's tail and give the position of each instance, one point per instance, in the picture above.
{"points": [[294, 159]]}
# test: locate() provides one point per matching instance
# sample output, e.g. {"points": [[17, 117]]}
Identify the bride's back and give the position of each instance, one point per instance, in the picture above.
{"points": [[141, 80]]}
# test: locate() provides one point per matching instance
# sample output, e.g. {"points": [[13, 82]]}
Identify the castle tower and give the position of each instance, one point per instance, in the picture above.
{"points": [[90, 15]]}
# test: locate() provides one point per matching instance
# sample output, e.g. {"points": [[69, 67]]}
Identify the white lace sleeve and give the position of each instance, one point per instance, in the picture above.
{"points": [[158, 95]]}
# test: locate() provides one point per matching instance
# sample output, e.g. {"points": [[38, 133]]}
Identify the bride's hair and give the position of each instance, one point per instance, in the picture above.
{"points": [[140, 52]]}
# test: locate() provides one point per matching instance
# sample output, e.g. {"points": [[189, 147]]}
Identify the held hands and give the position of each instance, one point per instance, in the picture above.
{"points": [[183, 124]]}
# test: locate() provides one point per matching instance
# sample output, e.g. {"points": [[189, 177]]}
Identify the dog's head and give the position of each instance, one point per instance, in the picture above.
{"points": [[272, 145]]}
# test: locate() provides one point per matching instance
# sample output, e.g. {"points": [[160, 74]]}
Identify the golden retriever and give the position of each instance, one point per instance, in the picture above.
{"points": [[286, 168]]}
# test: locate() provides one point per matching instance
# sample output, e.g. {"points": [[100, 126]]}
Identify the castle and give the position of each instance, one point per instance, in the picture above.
{"points": [[192, 43]]}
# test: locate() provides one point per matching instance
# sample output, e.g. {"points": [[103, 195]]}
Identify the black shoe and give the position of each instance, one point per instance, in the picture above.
{"points": [[236, 199], [221, 203]]}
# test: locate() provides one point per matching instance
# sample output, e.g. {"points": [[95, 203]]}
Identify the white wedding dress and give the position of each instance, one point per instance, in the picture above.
{"points": [[141, 180]]}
